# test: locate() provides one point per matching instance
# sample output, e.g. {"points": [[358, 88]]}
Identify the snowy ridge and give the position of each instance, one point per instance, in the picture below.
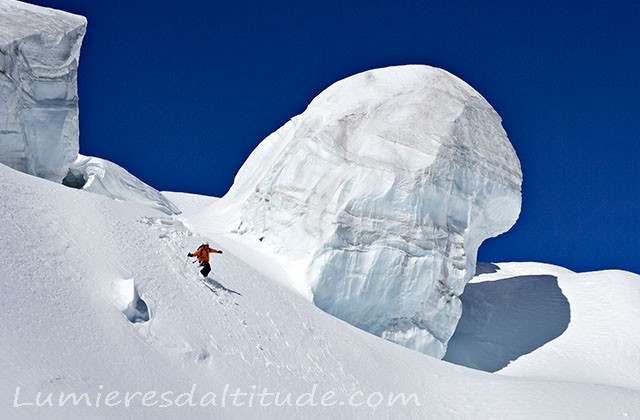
{"points": [[103, 177], [378, 197], [39, 53]]}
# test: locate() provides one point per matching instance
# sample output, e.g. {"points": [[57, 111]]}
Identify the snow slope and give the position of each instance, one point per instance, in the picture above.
{"points": [[577, 324], [74, 267], [378, 196]]}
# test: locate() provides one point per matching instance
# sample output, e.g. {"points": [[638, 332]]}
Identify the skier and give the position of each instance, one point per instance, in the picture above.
{"points": [[203, 256]]}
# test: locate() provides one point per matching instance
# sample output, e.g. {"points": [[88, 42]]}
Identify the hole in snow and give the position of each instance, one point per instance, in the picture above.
{"points": [[74, 180], [128, 300]]}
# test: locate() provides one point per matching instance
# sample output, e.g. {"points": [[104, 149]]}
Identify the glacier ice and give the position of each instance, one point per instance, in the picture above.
{"points": [[39, 53], [382, 190], [39, 134], [103, 177]]}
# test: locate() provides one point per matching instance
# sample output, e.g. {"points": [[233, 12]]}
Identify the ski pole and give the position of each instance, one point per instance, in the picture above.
{"points": [[185, 264]]}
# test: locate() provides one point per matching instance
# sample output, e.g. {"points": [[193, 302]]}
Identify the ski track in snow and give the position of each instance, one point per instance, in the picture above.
{"points": [[241, 321]]}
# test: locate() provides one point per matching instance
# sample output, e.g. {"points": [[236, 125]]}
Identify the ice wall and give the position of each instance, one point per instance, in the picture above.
{"points": [[383, 190], [39, 52]]}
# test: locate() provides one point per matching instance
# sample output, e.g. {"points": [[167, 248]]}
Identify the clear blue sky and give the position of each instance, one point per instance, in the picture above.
{"points": [[181, 92]]}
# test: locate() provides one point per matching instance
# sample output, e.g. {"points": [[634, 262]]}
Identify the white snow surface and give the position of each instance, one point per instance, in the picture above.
{"points": [[78, 272], [577, 324], [39, 53], [377, 198], [103, 177]]}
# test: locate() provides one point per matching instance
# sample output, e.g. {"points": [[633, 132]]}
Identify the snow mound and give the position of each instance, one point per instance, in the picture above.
{"points": [[103, 177], [546, 322], [379, 195], [39, 53]]}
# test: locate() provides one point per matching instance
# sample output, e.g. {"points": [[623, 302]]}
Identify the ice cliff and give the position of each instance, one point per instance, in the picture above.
{"points": [[380, 194], [39, 52], [39, 135]]}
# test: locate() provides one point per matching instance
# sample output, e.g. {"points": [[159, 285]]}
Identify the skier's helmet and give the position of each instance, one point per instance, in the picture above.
{"points": [[205, 243]]}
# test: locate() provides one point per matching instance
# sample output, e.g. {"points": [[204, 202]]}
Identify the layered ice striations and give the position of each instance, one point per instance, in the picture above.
{"points": [[39, 131], [383, 190], [39, 53]]}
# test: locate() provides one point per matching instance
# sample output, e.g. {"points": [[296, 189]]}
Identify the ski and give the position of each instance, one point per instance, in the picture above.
{"points": [[210, 287]]}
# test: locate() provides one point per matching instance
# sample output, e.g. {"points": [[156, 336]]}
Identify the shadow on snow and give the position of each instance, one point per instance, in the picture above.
{"points": [[217, 285], [505, 319]]}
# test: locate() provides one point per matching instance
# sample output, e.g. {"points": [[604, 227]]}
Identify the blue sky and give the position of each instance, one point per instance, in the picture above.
{"points": [[180, 93]]}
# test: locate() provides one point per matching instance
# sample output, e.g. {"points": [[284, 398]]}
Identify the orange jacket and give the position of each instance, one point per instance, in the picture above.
{"points": [[203, 253]]}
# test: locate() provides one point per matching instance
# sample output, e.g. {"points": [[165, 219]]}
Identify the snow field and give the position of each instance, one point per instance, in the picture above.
{"points": [[62, 332]]}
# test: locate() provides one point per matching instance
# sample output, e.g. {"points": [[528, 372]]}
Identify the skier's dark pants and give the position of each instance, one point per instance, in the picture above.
{"points": [[206, 268]]}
